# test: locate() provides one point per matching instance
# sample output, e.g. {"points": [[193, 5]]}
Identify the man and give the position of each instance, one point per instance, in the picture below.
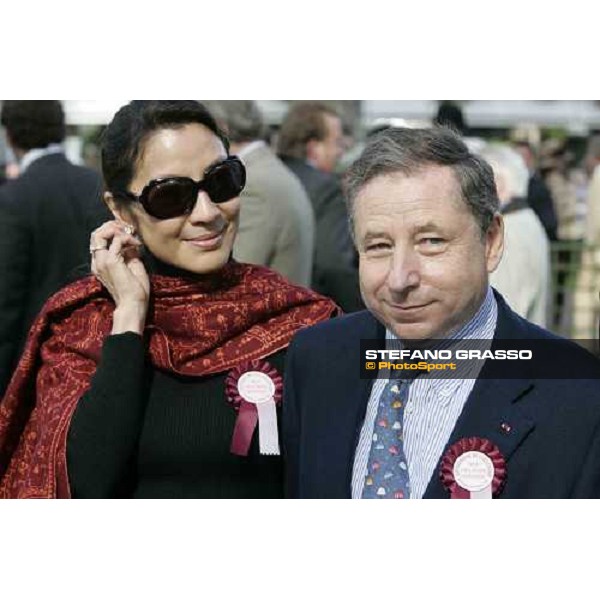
{"points": [[586, 309], [277, 223], [428, 232], [310, 143], [46, 216], [450, 114], [523, 275], [556, 168], [538, 194], [592, 167]]}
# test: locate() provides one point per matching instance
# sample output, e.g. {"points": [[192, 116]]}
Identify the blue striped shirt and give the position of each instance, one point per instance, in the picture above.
{"points": [[433, 408]]}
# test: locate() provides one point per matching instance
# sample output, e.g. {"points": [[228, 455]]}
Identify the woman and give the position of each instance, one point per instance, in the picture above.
{"points": [[160, 385]]}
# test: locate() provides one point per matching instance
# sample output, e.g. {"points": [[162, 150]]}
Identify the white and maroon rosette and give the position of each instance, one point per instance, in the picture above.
{"points": [[254, 389], [473, 468]]}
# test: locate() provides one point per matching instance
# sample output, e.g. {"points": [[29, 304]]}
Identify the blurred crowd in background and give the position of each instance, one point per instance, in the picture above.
{"points": [[294, 218]]}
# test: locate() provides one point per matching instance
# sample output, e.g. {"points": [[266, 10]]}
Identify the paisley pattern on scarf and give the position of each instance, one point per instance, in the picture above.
{"points": [[195, 327]]}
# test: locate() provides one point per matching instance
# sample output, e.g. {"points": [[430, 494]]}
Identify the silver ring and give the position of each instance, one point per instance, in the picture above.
{"points": [[96, 248]]}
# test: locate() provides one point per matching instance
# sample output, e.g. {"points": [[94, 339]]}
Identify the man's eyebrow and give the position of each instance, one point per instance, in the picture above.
{"points": [[428, 226], [371, 235]]}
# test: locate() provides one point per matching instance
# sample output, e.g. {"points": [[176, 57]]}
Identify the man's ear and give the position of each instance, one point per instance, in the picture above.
{"points": [[312, 150], [494, 243]]}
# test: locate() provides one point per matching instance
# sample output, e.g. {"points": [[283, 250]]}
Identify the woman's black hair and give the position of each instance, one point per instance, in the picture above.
{"points": [[124, 138]]}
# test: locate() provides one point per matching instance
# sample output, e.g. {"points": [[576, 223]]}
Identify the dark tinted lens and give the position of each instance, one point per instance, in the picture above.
{"points": [[225, 181], [170, 198]]}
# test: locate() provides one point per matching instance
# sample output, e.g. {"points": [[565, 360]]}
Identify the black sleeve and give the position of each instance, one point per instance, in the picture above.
{"points": [[105, 429], [15, 257], [335, 248], [335, 272], [541, 201]]}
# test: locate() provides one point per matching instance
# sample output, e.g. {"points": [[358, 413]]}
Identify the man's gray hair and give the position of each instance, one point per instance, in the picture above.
{"points": [[408, 151], [241, 119]]}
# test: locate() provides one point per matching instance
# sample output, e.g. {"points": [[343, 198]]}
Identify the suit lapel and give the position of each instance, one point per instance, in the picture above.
{"points": [[493, 410], [348, 412]]}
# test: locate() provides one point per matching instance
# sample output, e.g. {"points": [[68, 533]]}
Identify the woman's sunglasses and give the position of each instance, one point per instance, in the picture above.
{"points": [[176, 196]]}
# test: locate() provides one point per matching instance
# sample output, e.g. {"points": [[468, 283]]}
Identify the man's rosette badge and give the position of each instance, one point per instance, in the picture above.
{"points": [[473, 468], [254, 390]]}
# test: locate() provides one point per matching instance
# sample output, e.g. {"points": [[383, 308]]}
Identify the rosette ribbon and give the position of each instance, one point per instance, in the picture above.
{"points": [[254, 389], [473, 468]]}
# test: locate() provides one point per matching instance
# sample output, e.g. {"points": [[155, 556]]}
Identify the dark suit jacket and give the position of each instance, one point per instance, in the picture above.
{"points": [[540, 199], [335, 271], [552, 449], [46, 217]]}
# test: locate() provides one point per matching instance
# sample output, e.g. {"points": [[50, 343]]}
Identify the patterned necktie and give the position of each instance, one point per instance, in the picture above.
{"points": [[387, 471]]}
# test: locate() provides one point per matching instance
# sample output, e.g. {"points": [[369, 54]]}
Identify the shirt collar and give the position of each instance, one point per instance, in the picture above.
{"points": [[36, 153]]}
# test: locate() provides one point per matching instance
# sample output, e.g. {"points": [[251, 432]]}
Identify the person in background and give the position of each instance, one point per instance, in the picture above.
{"points": [[8, 172], [310, 143], [592, 168], [523, 275], [160, 376], [556, 168], [46, 216], [586, 310], [450, 114], [538, 194], [277, 222]]}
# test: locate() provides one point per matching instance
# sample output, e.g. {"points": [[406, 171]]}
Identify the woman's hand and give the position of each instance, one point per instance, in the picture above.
{"points": [[116, 263]]}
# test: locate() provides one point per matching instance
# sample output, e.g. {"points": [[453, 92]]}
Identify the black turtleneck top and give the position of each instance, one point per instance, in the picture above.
{"points": [[143, 433]]}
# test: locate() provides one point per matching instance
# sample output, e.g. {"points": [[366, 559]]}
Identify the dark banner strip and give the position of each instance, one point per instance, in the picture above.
{"points": [[488, 359]]}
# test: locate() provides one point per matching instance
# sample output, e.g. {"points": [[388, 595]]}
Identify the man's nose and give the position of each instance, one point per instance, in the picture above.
{"points": [[404, 273]]}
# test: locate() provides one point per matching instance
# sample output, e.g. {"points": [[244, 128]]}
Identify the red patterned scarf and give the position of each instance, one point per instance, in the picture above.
{"points": [[194, 327]]}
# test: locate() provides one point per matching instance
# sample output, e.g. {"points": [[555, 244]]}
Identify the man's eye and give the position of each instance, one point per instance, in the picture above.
{"points": [[433, 241], [377, 246]]}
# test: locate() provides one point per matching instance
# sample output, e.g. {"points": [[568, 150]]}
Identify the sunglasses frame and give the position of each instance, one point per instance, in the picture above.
{"points": [[198, 186]]}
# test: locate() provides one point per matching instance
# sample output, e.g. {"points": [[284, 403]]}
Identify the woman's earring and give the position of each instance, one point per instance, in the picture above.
{"points": [[129, 229]]}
